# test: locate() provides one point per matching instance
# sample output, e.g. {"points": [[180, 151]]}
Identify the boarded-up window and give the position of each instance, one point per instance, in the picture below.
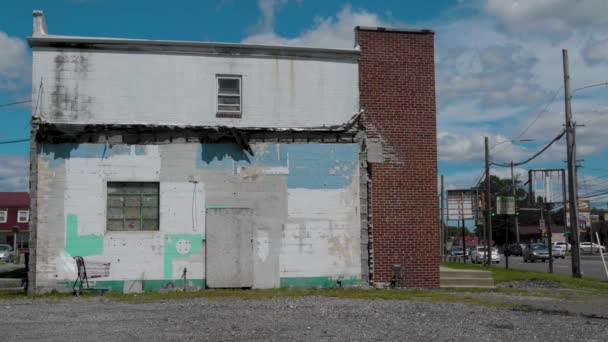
{"points": [[132, 206]]}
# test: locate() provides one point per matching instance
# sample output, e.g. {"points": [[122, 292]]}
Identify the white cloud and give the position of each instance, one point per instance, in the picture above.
{"points": [[596, 51], [15, 63], [14, 173], [556, 16], [329, 32]]}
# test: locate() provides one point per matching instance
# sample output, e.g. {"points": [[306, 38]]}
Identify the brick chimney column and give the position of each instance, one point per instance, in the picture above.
{"points": [[397, 90]]}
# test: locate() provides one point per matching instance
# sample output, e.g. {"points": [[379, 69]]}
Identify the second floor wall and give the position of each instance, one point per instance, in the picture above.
{"points": [[107, 86]]}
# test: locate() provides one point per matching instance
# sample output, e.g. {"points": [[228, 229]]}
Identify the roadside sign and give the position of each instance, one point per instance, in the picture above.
{"points": [[505, 205], [462, 204]]}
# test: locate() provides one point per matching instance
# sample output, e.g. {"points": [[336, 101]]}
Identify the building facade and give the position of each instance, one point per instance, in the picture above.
{"points": [[14, 219], [214, 165]]}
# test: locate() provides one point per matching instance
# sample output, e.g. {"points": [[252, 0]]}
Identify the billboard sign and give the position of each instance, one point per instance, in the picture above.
{"points": [[462, 204]]}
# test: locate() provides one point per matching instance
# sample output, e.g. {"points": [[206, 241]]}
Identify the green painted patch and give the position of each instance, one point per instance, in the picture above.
{"points": [[216, 207], [148, 285], [80, 245], [318, 282], [180, 246]]}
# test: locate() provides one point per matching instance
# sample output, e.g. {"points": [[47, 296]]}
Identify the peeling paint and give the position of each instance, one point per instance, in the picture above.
{"points": [[55, 154]]}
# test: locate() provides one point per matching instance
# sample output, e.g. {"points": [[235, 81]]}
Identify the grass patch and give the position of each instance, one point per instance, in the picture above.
{"points": [[502, 275], [431, 296]]}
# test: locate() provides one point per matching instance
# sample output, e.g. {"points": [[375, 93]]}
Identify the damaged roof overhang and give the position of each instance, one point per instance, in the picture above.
{"points": [[77, 133]]}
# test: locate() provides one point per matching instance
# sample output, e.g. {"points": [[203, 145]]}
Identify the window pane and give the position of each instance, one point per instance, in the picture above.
{"points": [[228, 86], [229, 100], [150, 201], [115, 201], [132, 201], [149, 213], [150, 225], [115, 213], [132, 225], [115, 225], [229, 108]]}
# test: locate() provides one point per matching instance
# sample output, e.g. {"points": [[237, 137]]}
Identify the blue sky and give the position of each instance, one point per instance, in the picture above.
{"points": [[498, 65]]}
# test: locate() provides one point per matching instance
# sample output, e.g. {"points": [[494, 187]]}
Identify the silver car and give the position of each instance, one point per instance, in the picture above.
{"points": [[6, 253]]}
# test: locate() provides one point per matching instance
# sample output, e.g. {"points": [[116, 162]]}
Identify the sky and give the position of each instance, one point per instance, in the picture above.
{"points": [[498, 67]]}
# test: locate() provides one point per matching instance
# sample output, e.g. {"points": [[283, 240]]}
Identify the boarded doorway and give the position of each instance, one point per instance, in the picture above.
{"points": [[229, 246]]}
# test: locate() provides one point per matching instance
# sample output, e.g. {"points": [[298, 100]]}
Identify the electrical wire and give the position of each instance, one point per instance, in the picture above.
{"points": [[14, 141], [540, 113], [14, 103], [590, 86], [535, 155]]}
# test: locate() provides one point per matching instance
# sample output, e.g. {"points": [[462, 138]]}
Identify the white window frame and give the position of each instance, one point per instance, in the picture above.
{"points": [[27, 218], [4, 218], [218, 94]]}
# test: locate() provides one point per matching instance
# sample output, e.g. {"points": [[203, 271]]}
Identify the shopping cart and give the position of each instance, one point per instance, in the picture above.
{"points": [[92, 270]]}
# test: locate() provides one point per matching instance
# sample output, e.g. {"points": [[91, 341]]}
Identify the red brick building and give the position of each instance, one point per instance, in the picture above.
{"points": [[397, 90], [14, 218]]}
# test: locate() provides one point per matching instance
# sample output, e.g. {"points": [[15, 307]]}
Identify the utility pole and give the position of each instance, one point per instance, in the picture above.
{"points": [[572, 186], [442, 232], [488, 205], [513, 192]]}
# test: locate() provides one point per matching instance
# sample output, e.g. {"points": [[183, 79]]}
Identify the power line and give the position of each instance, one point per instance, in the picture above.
{"points": [[535, 155], [14, 103], [13, 141], [590, 86], [540, 113]]}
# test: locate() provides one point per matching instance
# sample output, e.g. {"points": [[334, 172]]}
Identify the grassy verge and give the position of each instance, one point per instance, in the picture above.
{"points": [[431, 296], [502, 275]]}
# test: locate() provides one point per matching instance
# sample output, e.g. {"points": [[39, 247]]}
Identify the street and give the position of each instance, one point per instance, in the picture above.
{"points": [[591, 266]]}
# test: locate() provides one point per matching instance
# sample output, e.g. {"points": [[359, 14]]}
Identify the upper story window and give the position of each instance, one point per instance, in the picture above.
{"points": [[23, 216], [229, 91], [3, 215]]}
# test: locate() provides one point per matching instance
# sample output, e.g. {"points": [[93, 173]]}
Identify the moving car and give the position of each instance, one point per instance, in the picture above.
{"points": [[456, 251], [6, 253], [559, 251], [564, 244], [590, 247], [537, 251], [514, 249], [479, 255]]}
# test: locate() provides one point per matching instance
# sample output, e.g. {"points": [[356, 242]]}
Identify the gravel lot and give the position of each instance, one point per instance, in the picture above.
{"points": [[283, 319]]}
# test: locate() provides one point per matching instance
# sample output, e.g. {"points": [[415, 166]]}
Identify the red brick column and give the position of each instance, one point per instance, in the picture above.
{"points": [[397, 90]]}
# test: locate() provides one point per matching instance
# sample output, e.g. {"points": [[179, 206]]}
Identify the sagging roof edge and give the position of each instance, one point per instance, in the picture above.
{"points": [[83, 126], [192, 47]]}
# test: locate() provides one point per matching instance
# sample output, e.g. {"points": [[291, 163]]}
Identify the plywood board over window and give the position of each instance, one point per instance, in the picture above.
{"points": [[132, 206]]}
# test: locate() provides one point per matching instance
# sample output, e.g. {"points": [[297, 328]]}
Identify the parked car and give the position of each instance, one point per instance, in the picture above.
{"points": [[479, 255], [591, 247], [559, 251], [564, 244], [537, 251], [456, 251], [6, 252], [514, 249]]}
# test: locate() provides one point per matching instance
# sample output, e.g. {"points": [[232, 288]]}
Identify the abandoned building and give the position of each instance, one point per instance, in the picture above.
{"points": [[216, 165]]}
